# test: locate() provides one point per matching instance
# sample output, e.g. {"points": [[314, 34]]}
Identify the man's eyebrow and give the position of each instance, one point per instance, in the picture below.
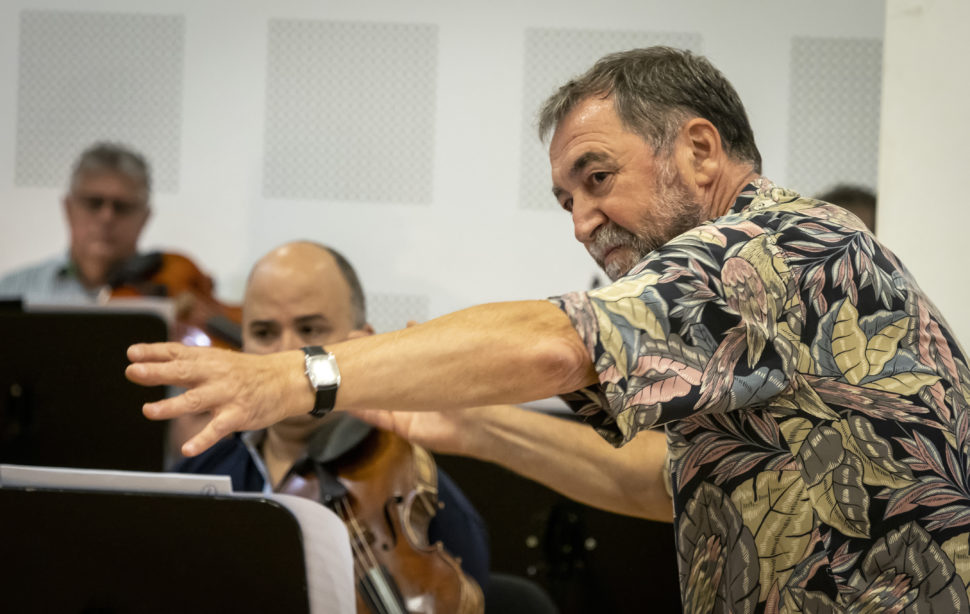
{"points": [[580, 164], [264, 322], [586, 159], [310, 317]]}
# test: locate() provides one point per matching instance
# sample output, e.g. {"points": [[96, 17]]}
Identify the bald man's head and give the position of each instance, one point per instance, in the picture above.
{"points": [[301, 294]]}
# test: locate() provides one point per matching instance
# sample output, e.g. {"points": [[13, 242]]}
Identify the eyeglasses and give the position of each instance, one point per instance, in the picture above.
{"points": [[93, 204]]}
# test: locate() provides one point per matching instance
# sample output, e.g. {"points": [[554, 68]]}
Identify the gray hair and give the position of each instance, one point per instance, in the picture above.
{"points": [[114, 158], [655, 90]]}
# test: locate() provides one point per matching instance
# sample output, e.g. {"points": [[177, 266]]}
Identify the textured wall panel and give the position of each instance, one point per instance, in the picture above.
{"points": [[552, 57], [834, 113], [350, 111], [387, 312], [86, 77]]}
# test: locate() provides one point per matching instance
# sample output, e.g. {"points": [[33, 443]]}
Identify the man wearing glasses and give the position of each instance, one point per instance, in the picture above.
{"points": [[107, 206]]}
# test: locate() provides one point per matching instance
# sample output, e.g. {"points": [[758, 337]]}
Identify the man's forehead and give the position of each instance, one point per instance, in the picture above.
{"points": [[592, 126], [109, 182], [591, 112], [313, 285]]}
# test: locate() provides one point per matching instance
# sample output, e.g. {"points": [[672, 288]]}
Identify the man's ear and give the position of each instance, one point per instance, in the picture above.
{"points": [[364, 331], [704, 154]]}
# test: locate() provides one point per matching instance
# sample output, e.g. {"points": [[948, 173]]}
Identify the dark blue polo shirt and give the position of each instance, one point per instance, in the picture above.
{"points": [[457, 525]]}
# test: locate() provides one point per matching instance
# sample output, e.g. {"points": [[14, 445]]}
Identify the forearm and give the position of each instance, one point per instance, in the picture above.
{"points": [[574, 460], [496, 353]]}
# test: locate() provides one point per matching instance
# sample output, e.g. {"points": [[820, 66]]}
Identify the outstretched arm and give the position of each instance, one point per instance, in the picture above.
{"points": [[566, 456], [496, 353]]}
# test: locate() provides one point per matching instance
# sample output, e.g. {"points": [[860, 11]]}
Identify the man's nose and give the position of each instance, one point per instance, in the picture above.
{"points": [[289, 340], [106, 212], [587, 217]]}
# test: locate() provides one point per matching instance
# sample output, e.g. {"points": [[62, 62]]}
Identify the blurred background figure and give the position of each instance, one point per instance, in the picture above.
{"points": [[106, 207]]}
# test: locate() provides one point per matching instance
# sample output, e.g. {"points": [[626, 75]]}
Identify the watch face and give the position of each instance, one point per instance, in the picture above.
{"points": [[323, 371]]}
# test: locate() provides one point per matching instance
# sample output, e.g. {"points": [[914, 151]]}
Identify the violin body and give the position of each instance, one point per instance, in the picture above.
{"points": [[387, 496], [172, 275]]}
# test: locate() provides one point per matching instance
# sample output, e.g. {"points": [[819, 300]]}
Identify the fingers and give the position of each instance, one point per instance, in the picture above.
{"points": [[192, 401], [205, 439], [156, 364], [173, 372], [152, 364], [154, 352]]}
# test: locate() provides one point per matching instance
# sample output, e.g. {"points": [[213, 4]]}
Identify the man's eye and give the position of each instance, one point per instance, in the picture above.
{"points": [[598, 178], [311, 332], [567, 205], [262, 334]]}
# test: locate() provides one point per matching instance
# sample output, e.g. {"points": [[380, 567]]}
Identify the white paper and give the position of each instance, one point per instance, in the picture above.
{"points": [[127, 481], [326, 548]]}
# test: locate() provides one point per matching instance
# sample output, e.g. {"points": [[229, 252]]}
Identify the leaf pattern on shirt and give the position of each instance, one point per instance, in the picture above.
{"points": [[817, 409], [774, 507], [907, 567], [719, 555]]}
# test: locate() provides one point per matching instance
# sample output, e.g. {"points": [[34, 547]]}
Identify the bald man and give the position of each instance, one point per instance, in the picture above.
{"points": [[305, 294]]}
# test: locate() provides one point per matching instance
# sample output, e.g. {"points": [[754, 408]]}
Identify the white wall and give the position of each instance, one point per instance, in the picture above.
{"points": [[924, 210], [473, 242]]}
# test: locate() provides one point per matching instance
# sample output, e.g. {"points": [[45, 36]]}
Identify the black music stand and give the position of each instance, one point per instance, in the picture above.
{"points": [[118, 548], [64, 400]]}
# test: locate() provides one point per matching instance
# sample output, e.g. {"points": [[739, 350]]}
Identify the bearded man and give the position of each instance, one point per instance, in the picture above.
{"points": [[814, 400]]}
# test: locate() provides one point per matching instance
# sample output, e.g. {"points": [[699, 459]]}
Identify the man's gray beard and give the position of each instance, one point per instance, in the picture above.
{"points": [[676, 214]]}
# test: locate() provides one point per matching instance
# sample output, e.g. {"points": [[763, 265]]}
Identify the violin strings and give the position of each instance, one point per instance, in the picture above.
{"points": [[356, 539], [358, 544], [364, 546]]}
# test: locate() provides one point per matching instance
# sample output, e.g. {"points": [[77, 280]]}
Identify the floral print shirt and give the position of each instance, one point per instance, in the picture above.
{"points": [[815, 404]]}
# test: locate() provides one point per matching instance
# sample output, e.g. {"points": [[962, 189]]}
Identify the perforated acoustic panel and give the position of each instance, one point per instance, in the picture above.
{"points": [[387, 312], [87, 77], [350, 110], [552, 57], [833, 113]]}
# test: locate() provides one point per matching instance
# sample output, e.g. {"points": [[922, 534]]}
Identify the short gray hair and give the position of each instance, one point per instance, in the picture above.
{"points": [[115, 158], [655, 90]]}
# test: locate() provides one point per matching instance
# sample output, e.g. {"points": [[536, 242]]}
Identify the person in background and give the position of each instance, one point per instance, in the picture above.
{"points": [[305, 294], [106, 207]]}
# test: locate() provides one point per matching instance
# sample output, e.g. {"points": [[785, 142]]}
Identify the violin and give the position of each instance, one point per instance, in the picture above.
{"points": [[175, 276], [385, 491]]}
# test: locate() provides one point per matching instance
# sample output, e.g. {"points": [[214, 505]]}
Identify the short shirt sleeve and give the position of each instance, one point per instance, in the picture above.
{"points": [[699, 326]]}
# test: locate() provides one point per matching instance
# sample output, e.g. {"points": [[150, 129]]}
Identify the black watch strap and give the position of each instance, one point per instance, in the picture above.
{"points": [[326, 399], [326, 395]]}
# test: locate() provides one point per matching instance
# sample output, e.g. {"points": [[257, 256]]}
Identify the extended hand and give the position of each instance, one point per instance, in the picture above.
{"points": [[242, 391]]}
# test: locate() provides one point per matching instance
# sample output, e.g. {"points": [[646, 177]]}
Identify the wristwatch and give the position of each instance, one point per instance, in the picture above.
{"points": [[324, 376]]}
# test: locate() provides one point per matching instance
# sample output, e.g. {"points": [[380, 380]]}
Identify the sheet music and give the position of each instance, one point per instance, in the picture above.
{"points": [[329, 562], [126, 481]]}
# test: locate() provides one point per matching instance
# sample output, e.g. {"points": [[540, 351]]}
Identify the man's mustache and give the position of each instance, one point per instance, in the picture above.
{"points": [[610, 236]]}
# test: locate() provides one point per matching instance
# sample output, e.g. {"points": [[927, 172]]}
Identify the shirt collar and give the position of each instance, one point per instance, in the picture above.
{"points": [[66, 267], [760, 186]]}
